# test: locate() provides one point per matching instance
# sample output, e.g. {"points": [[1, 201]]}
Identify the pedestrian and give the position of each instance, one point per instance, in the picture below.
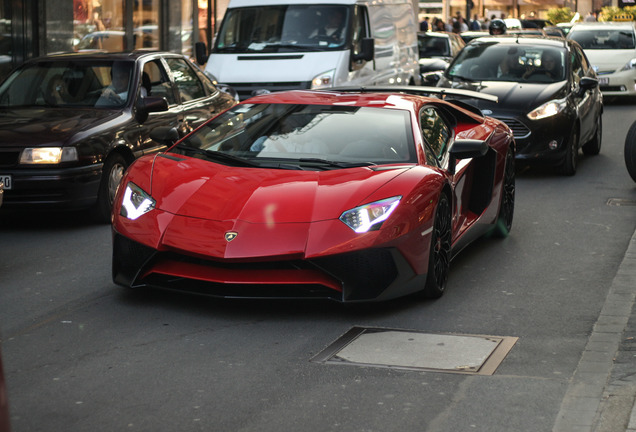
{"points": [[424, 25]]}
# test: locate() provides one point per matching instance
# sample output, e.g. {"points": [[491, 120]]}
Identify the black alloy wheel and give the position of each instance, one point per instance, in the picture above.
{"points": [[507, 208], [440, 251], [593, 147]]}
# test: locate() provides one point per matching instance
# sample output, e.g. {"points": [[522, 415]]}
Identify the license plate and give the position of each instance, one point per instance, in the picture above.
{"points": [[603, 81], [6, 179]]}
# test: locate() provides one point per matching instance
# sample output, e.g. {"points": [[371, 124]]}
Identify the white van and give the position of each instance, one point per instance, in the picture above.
{"points": [[278, 45]]}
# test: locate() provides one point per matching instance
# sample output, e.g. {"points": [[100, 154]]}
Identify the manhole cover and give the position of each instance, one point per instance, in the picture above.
{"points": [[620, 202], [413, 350]]}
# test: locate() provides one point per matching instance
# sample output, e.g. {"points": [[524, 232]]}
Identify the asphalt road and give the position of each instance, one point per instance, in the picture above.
{"points": [[81, 354]]}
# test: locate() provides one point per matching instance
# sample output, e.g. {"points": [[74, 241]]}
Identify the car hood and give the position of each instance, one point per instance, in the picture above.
{"points": [[45, 126], [609, 60], [209, 191], [512, 95]]}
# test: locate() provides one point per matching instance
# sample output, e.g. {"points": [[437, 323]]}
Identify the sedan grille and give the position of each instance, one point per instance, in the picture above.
{"points": [[519, 130]]}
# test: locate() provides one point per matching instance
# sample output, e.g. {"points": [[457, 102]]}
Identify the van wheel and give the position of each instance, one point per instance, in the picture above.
{"points": [[113, 171]]}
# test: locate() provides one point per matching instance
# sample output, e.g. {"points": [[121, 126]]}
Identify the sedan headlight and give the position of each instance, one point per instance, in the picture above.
{"points": [[323, 80], [48, 155], [548, 109], [136, 202], [369, 217], [630, 65]]}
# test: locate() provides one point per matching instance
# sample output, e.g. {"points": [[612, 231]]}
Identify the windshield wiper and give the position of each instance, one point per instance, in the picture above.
{"points": [[334, 164], [220, 156]]}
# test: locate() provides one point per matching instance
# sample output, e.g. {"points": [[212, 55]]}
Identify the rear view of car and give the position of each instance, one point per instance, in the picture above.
{"points": [[611, 50]]}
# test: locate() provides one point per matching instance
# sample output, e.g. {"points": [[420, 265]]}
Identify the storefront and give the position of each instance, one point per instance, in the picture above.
{"points": [[31, 28]]}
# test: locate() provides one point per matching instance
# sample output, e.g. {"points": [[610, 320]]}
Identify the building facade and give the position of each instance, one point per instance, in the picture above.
{"points": [[32, 28]]}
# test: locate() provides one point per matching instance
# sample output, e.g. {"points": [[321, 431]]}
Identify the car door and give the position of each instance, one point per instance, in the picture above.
{"points": [[585, 100], [156, 82]]}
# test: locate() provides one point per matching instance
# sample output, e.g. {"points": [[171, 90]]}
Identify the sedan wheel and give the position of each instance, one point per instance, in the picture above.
{"points": [[568, 166], [440, 251], [112, 173]]}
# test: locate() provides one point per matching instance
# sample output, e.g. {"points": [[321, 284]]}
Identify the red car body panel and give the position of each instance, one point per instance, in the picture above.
{"points": [[286, 222]]}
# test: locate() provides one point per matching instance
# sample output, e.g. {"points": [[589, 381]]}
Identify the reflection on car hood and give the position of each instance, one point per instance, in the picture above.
{"points": [[512, 95], [42, 126], [201, 189]]}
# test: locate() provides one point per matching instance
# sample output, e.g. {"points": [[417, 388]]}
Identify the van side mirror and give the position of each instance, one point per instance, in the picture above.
{"points": [[367, 52], [200, 53]]}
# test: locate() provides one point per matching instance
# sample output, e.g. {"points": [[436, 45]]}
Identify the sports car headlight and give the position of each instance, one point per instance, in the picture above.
{"points": [[48, 155], [323, 80], [136, 202], [630, 65], [369, 217], [548, 109]]}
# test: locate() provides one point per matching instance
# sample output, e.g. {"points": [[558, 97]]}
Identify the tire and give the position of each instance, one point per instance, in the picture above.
{"points": [[568, 165], [593, 147], [440, 251], [113, 171], [507, 207], [630, 151]]}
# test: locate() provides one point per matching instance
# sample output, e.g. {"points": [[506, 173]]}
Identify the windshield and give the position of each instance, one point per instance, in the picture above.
{"points": [[305, 136], [283, 28], [491, 61], [603, 39], [74, 83]]}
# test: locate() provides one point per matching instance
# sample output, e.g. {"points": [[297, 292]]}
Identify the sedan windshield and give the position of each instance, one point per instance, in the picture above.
{"points": [[603, 39], [304, 137], [96, 83], [491, 61], [283, 28]]}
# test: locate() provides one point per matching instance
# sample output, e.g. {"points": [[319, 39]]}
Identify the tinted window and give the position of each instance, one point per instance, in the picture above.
{"points": [[186, 80]]}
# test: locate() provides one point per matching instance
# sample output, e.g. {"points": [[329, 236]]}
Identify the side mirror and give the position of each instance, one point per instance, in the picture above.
{"points": [[165, 135], [588, 83], [201, 53], [368, 50], [431, 78], [148, 104], [465, 149]]}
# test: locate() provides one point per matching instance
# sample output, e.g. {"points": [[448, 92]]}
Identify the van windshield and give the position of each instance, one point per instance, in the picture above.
{"points": [[283, 28]]}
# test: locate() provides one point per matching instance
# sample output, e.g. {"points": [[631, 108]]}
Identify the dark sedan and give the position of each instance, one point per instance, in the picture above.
{"points": [[71, 124], [548, 95]]}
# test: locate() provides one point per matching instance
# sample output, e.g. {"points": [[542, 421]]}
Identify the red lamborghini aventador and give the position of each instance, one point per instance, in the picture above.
{"points": [[349, 194]]}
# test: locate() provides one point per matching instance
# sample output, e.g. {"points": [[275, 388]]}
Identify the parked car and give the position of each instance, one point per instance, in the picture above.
{"points": [[548, 95], [630, 151], [526, 32], [349, 195], [67, 136], [554, 31], [437, 49], [611, 49]]}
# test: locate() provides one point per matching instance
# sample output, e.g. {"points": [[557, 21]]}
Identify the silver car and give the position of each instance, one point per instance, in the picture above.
{"points": [[611, 50]]}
